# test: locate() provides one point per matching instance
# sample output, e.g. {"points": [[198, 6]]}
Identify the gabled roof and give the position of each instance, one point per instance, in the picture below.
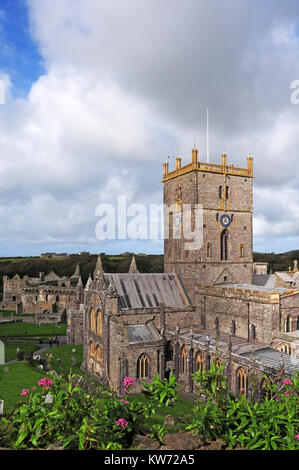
{"points": [[142, 333], [52, 276], [149, 290]]}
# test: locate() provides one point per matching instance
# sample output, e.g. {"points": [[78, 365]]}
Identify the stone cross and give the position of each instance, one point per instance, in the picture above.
{"points": [[2, 353]]}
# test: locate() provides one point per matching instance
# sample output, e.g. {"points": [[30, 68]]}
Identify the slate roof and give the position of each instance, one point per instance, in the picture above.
{"points": [[260, 279], [266, 280], [272, 358], [136, 290], [142, 333]]}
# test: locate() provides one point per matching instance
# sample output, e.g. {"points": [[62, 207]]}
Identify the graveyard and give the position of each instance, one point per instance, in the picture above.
{"points": [[19, 369]]}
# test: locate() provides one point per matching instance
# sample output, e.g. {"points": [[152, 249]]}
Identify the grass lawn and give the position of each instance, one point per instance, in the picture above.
{"points": [[20, 375], [11, 350], [65, 353], [31, 329], [180, 408]]}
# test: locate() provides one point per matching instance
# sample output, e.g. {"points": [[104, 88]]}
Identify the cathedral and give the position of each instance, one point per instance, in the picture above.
{"points": [[212, 303]]}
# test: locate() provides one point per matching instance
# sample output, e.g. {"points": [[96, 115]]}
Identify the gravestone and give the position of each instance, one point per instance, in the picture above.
{"points": [[2, 353], [1, 407], [73, 361]]}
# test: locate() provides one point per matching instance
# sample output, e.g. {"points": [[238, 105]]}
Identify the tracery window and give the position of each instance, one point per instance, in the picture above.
{"points": [[100, 324], [93, 321], [242, 381], [198, 363], [264, 388], [142, 367], [184, 355]]}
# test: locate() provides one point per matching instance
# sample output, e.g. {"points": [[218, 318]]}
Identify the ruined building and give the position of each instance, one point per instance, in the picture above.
{"points": [[44, 294]]}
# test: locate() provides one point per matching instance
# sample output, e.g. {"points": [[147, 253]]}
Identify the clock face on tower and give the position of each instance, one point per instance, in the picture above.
{"points": [[225, 220]]}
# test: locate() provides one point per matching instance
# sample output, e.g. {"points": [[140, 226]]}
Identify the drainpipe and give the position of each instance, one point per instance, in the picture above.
{"points": [[248, 321]]}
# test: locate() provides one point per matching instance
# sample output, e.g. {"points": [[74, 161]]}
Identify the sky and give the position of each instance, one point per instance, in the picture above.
{"points": [[98, 94]]}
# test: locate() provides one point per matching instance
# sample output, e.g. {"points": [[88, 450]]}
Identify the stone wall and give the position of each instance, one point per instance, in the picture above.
{"points": [[255, 314]]}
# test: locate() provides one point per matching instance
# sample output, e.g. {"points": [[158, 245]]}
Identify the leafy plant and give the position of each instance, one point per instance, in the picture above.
{"points": [[162, 393], [158, 432], [271, 424]]}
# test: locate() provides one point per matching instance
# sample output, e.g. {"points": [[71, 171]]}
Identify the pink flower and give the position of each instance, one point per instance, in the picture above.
{"points": [[287, 382], [296, 437], [128, 382], [124, 401], [24, 392], [45, 382], [122, 423]]}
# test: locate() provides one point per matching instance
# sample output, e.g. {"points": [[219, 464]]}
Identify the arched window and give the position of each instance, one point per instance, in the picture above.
{"points": [[169, 351], [218, 362], [198, 363], [220, 192], [92, 350], [142, 367], [216, 323], [288, 324], [224, 245], [209, 250], [99, 354], [242, 251], [93, 321], [297, 324], [242, 381], [226, 192], [253, 331], [57, 298], [184, 355], [265, 393], [233, 327], [100, 324]]}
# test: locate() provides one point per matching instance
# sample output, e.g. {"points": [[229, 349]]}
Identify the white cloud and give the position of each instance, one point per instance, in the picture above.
{"points": [[126, 84]]}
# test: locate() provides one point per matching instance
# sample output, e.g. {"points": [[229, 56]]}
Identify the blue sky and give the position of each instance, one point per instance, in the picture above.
{"points": [[19, 56], [102, 91]]}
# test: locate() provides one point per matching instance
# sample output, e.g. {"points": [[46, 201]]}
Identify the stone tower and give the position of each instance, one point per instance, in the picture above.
{"points": [[224, 192]]}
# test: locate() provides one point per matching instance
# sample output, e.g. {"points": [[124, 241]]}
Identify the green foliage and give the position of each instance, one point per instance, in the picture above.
{"points": [[73, 418], [162, 393], [158, 432], [271, 424]]}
